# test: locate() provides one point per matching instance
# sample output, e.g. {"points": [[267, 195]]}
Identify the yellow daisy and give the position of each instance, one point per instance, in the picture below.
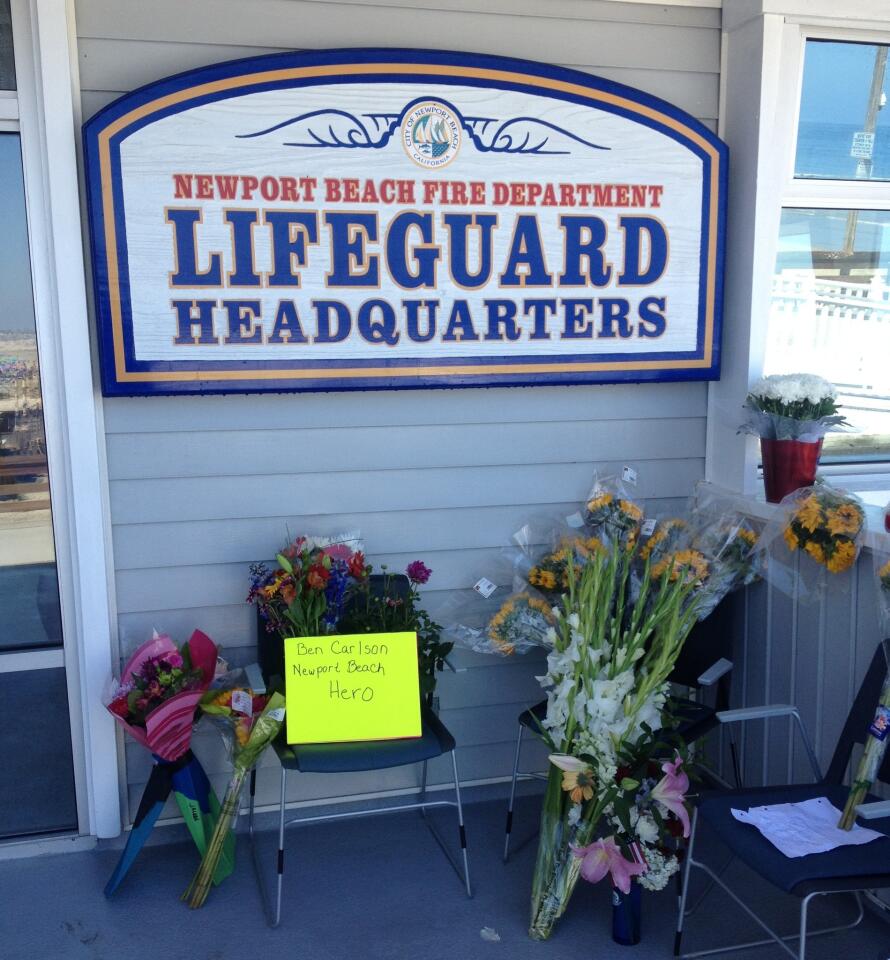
{"points": [[791, 539]]}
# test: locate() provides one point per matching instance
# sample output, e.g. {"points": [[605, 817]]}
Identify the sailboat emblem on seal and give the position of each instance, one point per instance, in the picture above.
{"points": [[431, 134]]}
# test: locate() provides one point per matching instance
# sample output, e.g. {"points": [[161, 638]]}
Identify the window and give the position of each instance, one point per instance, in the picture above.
{"points": [[7, 64], [830, 309]]}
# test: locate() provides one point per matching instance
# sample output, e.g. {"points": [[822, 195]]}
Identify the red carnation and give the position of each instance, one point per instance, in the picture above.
{"points": [[120, 707], [357, 565]]}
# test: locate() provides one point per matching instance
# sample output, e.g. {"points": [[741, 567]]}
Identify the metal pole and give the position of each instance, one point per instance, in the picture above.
{"points": [[865, 164]]}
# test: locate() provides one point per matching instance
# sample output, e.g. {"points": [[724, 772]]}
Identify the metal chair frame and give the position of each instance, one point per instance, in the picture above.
{"points": [[741, 715], [462, 869], [706, 680], [516, 776]]}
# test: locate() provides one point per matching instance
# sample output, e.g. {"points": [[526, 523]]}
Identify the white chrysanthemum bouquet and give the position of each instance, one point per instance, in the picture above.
{"points": [[792, 406]]}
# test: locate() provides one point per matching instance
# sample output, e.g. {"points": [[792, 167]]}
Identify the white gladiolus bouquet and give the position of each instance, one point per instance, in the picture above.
{"points": [[613, 649], [792, 406]]}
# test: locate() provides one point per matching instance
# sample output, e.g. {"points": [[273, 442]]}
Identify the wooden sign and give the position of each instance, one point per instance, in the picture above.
{"points": [[361, 219], [356, 687]]}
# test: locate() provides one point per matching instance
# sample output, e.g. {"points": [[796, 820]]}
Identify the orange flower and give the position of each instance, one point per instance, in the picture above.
{"points": [[578, 784], [317, 577]]}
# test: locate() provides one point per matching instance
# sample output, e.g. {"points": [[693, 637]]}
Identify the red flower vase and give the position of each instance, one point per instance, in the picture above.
{"points": [[788, 465]]}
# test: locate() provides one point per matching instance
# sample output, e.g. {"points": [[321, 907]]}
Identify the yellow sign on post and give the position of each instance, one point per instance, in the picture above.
{"points": [[354, 687]]}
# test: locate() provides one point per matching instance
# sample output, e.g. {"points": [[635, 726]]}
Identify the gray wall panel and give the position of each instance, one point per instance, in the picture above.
{"points": [[200, 487]]}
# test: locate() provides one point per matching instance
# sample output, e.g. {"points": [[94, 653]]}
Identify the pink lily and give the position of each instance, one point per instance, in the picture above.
{"points": [[604, 856], [670, 792]]}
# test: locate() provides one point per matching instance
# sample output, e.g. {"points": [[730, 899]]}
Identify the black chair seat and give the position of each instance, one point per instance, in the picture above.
{"points": [[841, 869], [435, 740], [531, 719], [694, 719]]}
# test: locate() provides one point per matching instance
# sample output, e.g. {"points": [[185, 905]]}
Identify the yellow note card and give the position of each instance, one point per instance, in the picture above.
{"points": [[354, 687]]}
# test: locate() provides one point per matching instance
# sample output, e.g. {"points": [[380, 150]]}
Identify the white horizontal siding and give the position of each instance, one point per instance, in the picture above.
{"points": [[203, 486]]}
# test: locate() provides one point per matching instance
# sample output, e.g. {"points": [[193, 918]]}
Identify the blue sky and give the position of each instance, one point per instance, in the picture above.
{"points": [[836, 83], [16, 305]]}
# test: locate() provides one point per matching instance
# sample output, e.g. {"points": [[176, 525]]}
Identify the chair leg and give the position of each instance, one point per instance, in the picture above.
{"points": [[252, 803], [423, 776], [736, 765], [280, 862], [684, 893], [804, 905], [509, 826], [460, 821]]}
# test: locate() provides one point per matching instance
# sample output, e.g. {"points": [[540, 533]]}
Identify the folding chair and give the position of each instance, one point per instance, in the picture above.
{"points": [[435, 741], [848, 869], [704, 663]]}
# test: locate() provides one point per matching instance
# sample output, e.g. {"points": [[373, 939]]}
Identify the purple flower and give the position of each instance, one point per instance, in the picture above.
{"points": [[670, 792], [418, 571]]}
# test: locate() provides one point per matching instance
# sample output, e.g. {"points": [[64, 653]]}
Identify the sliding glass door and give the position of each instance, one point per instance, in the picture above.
{"points": [[37, 795]]}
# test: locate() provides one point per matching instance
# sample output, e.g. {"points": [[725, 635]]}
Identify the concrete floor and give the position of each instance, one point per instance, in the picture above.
{"points": [[374, 889]]}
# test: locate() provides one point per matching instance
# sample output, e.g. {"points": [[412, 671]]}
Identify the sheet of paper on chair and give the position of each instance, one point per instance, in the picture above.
{"points": [[799, 829]]}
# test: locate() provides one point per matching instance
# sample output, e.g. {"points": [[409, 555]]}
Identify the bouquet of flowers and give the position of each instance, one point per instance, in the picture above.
{"points": [[523, 621], [610, 514], [606, 688], [159, 691], [392, 610], [550, 574], [817, 531], [729, 542], [793, 406], [875, 748], [647, 813], [826, 524], [155, 702], [306, 594], [253, 722]]}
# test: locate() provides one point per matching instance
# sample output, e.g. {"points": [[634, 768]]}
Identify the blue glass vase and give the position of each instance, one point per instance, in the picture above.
{"points": [[626, 916]]}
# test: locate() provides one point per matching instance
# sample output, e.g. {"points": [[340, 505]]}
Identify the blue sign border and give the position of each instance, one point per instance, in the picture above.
{"points": [[123, 375]]}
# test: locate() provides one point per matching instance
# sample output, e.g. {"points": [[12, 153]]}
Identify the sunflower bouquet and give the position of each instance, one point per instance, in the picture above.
{"points": [[550, 574], [523, 621], [826, 524], [610, 514]]}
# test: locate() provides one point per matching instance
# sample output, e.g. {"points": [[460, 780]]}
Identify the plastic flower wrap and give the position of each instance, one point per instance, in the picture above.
{"points": [[610, 513], [253, 722], [793, 406], [159, 691], [817, 531], [727, 539], [666, 537]]}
